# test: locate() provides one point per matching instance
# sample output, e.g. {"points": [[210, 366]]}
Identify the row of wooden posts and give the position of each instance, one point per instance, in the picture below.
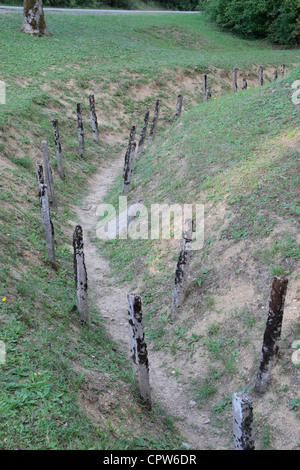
{"points": [[135, 149], [206, 90], [241, 403], [47, 196]]}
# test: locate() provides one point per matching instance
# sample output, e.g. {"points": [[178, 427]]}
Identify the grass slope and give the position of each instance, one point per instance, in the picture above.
{"points": [[53, 364], [239, 156]]}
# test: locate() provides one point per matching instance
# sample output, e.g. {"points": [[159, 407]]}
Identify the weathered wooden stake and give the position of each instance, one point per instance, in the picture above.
{"points": [[154, 122], [245, 84], [143, 132], [275, 74], [261, 76], [129, 158], [181, 268], [80, 275], [48, 173], [208, 93], [270, 348], [139, 348], [94, 118], [60, 167], [242, 411], [47, 223], [39, 175], [282, 69], [234, 80], [80, 130], [178, 107], [204, 86]]}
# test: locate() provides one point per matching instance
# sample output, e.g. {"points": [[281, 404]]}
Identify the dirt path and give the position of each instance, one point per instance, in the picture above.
{"points": [[111, 301]]}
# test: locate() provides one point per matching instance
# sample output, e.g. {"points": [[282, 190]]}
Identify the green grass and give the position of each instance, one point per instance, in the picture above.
{"points": [[52, 362]]}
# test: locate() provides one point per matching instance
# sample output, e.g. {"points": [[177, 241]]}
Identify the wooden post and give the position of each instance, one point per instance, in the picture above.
{"points": [[181, 268], [80, 275], [39, 175], [48, 173], [282, 69], [234, 79], [129, 158], [270, 348], [143, 132], [242, 411], [139, 348], [47, 223], [204, 86], [60, 167], [94, 118], [178, 107], [80, 130], [245, 84], [154, 122], [208, 93], [275, 74], [261, 77]]}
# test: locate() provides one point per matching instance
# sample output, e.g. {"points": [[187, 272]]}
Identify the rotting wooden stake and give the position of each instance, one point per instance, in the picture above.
{"points": [[270, 348], [143, 133], [80, 130], [60, 167], [139, 348], [208, 93], [129, 158], [47, 223], [178, 107], [80, 275], [261, 76], [94, 118], [242, 411], [234, 79], [181, 268], [245, 84], [204, 86], [154, 122], [48, 173], [282, 69], [39, 175]]}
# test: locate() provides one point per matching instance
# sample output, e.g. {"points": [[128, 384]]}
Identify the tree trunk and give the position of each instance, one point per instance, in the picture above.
{"points": [[34, 20]]}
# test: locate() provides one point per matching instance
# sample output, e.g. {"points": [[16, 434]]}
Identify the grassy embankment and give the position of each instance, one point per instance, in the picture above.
{"points": [[52, 362]]}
